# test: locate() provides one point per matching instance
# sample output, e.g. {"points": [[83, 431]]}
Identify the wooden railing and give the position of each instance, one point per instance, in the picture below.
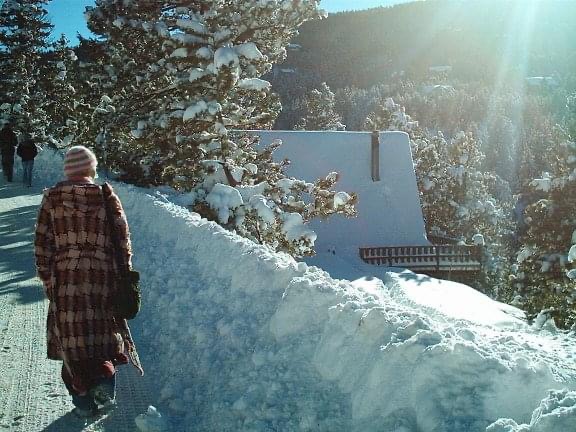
{"points": [[438, 258]]}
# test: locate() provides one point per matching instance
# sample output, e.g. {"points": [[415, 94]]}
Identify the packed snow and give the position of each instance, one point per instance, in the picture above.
{"points": [[193, 25], [194, 110], [254, 84], [180, 52], [555, 413], [249, 50], [152, 421], [237, 337], [223, 198], [544, 184], [225, 56]]}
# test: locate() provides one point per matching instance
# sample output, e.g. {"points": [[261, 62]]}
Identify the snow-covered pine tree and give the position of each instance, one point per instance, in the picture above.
{"points": [[24, 32], [458, 198], [319, 106], [543, 278], [571, 127], [456, 195], [353, 105], [499, 138], [89, 76], [458, 202], [571, 116], [392, 117], [571, 273], [181, 75], [535, 144], [63, 83]]}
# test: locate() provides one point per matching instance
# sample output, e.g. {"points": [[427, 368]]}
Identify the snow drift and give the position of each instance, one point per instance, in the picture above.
{"points": [[235, 337]]}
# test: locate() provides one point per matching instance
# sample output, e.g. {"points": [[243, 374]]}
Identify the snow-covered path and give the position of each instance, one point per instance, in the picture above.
{"points": [[32, 396]]}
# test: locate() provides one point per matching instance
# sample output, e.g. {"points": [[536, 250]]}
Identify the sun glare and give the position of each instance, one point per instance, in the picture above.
{"points": [[514, 62]]}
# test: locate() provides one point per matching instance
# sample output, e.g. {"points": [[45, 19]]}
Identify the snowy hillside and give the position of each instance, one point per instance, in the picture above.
{"points": [[238, 338]]}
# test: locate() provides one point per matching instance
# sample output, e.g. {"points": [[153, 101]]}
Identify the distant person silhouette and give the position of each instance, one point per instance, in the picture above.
{"points": [[27, 151], [8, 143]]}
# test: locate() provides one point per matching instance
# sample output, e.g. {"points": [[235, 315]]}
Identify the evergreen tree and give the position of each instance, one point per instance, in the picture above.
{"points": [[180, 75], [499, 142], [542, 280], [320, 111], [390, 116], [24, 32], [539, 139], [90, 76], [571, 127], [62, 83], [458, 198], [458, 202], [456, 194]]}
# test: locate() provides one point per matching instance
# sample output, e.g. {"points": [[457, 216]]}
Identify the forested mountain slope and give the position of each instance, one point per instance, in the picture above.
{"points": [[479, 39]]}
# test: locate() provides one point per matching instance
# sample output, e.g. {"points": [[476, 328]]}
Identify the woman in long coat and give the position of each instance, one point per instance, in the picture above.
{"points": [[75, 261]]}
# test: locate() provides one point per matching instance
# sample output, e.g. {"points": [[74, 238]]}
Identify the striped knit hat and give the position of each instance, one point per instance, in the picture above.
{"points": [[78, 161]]}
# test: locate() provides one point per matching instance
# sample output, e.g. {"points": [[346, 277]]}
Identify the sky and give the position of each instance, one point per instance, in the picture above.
{"points": [[67, 15]]}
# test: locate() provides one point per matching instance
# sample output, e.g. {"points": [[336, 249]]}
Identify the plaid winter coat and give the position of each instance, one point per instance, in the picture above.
{"points": [[75, 262]]}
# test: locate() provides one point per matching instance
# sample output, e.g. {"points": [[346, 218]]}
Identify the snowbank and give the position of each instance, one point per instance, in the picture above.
{"points": [[238, 338], [557, 412]]}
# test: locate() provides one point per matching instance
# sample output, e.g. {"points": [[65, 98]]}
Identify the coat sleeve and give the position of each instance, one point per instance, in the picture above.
{"points": [[121, 224], [44, 245]]}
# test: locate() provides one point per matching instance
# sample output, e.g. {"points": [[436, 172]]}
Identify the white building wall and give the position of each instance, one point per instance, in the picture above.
{"points": [[389, 211]]}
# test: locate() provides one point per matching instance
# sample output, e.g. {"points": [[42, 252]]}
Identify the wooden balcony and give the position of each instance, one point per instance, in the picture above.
{"points": [[426, 259]]}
